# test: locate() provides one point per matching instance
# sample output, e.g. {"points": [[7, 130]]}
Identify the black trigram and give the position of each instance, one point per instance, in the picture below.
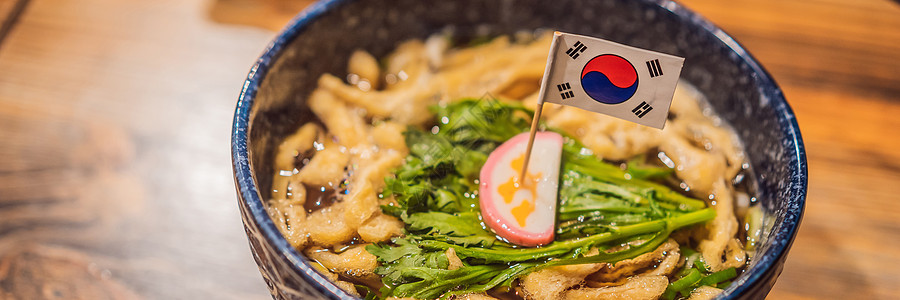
{"points": [[655, 69], [642, 109], [565, 91], [576, 50]]}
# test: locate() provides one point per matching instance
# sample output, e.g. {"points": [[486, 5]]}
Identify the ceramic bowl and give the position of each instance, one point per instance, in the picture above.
{"points": [[321, 38]]}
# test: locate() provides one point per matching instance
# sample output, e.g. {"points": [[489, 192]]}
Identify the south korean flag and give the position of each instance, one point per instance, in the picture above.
{"points": [[609, 78]]}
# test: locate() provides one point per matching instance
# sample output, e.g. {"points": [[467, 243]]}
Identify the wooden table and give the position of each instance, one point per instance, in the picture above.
{"points": [[115, 179]]}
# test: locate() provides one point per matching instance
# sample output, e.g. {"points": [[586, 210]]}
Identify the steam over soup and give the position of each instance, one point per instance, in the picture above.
{"points": [[385, 196]]}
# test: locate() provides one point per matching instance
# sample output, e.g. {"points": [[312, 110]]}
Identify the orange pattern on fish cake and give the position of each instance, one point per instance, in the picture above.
{"points": [[508, 191]]}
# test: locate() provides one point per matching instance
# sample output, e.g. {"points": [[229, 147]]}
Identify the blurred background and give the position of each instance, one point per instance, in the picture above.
{"points": [[115, 118]]}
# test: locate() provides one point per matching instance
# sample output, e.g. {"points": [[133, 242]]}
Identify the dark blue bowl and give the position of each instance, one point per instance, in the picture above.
{"points": [[319, 40]]}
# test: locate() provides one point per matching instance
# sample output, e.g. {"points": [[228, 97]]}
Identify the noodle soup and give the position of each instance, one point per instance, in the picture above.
{"points": [[383, 194]]}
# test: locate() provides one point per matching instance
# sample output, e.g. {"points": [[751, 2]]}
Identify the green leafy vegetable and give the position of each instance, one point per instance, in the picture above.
{"points": [[436, 191], [683, 284], [461, 228], [696, 273], [369, 295], [720, 276]]}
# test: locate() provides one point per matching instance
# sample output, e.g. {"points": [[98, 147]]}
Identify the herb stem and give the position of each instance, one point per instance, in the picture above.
{"points": [[559, 248]]}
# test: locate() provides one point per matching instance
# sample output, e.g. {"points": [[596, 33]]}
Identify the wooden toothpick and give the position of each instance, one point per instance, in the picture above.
{"points": [[540, 105], [534, 126]]}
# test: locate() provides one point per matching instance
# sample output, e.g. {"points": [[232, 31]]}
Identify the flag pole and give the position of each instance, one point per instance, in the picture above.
{"points": [[534, 126], [540, 105]]}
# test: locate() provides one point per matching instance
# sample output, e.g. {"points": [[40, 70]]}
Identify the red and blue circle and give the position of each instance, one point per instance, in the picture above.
{"points": [[609, 79]]}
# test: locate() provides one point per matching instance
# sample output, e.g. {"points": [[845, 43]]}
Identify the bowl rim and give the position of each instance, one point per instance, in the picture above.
{"points": [[250, 196]]}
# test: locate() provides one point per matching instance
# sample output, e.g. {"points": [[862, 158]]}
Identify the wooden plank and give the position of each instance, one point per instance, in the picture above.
{"points": [[270, 14], [839, 65], [114, 116], [10, 11], [824, 44], [849, 232], [115, 181]]}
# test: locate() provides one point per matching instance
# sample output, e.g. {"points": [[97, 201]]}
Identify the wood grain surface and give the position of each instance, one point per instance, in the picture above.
{"points": [[115, 177]]}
